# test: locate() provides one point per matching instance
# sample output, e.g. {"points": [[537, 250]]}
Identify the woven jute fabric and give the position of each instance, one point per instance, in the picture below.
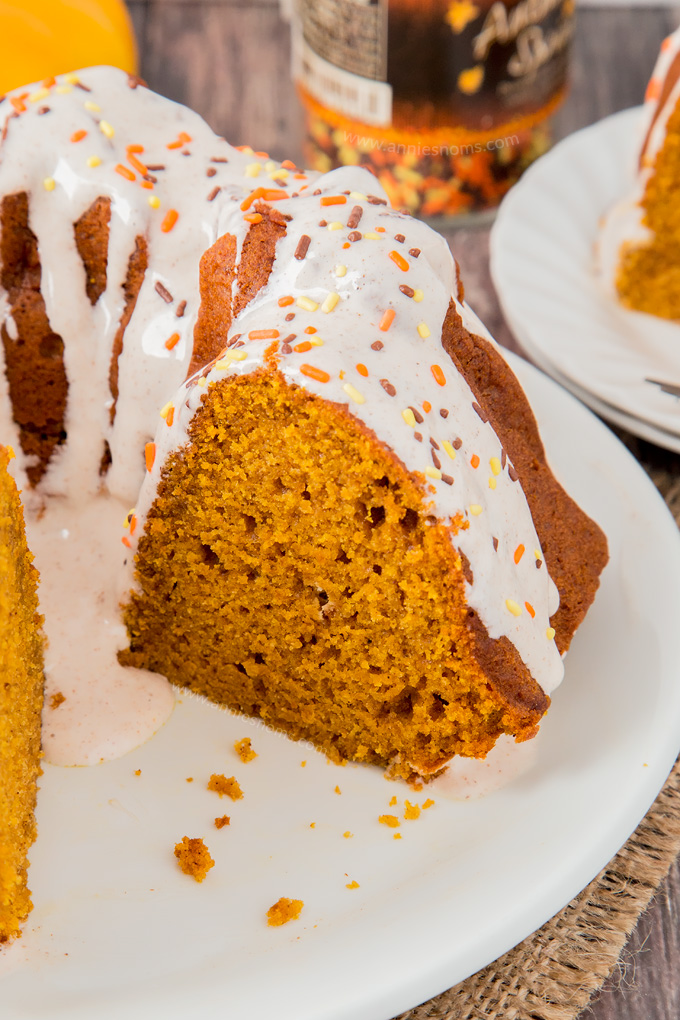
{"points": [[553, 974]]}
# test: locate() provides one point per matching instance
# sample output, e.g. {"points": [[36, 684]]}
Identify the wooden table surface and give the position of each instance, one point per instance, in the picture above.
{"points": [[230, 61]]}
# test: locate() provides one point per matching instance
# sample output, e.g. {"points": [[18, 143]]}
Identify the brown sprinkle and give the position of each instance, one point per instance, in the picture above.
{"points": [[388, 387], [495, 544], [323, 223], [211, 171], [234, 339], [374, 200], [417, 415], [163, 292], [377, 345], [447, 479], [444, 412], [180, 310], [415, 252], [354, 217], [480, 412], [400, 238], [418, 436], [155, 166], [286, 348], [81, 85], [435, 460], [219, 159], [354, 235], [539, 564], [405, 289], [504, 458], [44, 109], [290, 317], [433, 442], [289, 339], [214, 193], [303, 246], [457, 443], [513, 474], [317, 191]]}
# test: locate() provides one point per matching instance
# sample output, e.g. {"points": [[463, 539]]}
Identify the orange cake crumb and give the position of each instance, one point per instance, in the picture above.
{"points": [[225, 786], [338, 790], [57, 699], [428, 803], [244, 750], [193, 857], [221, 822], [138, 772], [397, 835], [348, 834], [312, 825], [411, 812], [352, 885], [390, 820], [283, 911], [393, 802]]}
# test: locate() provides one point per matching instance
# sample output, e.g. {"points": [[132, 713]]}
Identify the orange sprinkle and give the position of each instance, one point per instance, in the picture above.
{"points": [[288, 165], [302, 347], [263, 334], [18, 103], [362, 370], [149, 455], [653, 90], [438, 375], [311, 329], [170, 417], [387, 319], [399, 260], [48, 83], [182, 139], [530, 609], [261, 155], [274, 194], [78, 136], [169, 220], [126, 541], [134, 148], [252, 197], [474, 460], [125, 172], [285, 301], [427, 406], [334, 200], [300, 177], [519, 553], [347, 245], [253, 217], [315, 373], [380, 230], [137, 163], [172, 341], [133, 524], [146, 184]]}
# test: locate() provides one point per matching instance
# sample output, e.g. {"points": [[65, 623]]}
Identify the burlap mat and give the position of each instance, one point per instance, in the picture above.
{"points": [[553, 974]]}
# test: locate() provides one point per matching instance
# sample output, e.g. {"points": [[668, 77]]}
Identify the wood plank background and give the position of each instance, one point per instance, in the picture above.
{"points": [[230, 61]]}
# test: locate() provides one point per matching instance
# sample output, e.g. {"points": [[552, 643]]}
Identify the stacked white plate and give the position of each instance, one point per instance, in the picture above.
{"points": [[544, 266]]}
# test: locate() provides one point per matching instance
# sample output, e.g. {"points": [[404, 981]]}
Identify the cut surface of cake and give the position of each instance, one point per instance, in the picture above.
{"points": [[639, 243], [346, 523], [21, 695]]}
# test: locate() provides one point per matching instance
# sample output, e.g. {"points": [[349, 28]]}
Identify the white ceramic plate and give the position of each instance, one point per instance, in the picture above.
{"points": [[543, 264], [118, 932]]}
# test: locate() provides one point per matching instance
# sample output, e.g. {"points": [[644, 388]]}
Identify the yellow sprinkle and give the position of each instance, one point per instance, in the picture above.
{"points": [[154, 201], [63, 89], [72, 79], [202, 381], [495, 465], [423, 331], [433, 472], [252, 170], [357, 195], [537, 554], [372, 237], [513, 608], [354, 394], [315, 341], [92, 107], [409, 417], [550, 633], [418, 294], [49, 184], [270, 165], [449, 449], [165, 411], [492, 482], [229, 356], [37, 96], [93, 161], [335, 225], [330, 302], [307, 303], [106, 129], [247, 150], [340, 270], [475, 509]]}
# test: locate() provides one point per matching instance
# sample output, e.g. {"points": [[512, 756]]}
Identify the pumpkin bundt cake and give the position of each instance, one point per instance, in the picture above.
{"points": [[346, 523], [640, 239], [21, 694]]}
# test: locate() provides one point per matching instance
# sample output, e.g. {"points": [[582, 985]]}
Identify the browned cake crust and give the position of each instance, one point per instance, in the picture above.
{"points": [[574, 546]]}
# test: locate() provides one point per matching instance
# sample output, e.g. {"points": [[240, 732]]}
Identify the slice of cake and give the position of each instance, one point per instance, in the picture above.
{"points": [[21, 696], [639, 245]]}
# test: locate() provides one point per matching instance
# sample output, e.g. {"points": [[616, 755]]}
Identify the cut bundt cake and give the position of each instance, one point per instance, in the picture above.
{"points": [[346, 523], [21, 695], [639, 243]]}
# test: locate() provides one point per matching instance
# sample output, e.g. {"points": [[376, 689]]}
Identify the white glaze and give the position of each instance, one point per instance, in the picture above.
{"points": [[108, 709], [37, 148]]}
